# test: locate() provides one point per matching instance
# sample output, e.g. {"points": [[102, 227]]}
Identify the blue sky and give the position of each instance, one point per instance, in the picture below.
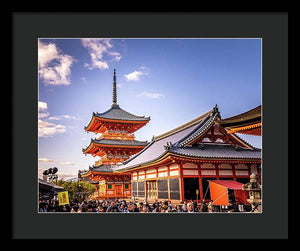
{"points": [[171, 80]]}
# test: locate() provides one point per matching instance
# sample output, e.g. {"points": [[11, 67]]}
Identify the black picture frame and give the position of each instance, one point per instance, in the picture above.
{"points": [[271, 27]]}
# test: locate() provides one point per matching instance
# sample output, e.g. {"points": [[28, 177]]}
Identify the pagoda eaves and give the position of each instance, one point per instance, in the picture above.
{"points": [[113, 144], [116, 119]]}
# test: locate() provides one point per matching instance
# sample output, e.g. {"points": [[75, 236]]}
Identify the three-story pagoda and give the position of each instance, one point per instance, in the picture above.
{"points": [[115, 145]]}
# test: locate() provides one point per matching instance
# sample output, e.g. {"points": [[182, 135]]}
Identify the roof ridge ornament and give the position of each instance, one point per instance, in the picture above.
{"points": [[200, 146], [216, 109], [237, 148], [168, 146]]}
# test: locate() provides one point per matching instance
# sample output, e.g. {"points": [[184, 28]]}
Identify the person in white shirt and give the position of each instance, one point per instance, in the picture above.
{"points": [[190, 207]]}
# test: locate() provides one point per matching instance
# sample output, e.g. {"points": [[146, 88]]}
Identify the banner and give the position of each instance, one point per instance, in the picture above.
{"points": [[63, 198]]}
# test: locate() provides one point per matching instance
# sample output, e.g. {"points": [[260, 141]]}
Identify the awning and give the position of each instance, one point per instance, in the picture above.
{"points": [[48, 188], [219, 192], [231, 184]]}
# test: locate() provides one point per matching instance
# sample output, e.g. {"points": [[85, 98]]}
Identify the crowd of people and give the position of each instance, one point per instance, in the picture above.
{"points": [[123, 206]]}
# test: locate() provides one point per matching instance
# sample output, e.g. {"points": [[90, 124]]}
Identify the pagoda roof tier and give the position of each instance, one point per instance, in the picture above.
{"points": [[116, 115], [95, 173], [102, 168], [97, 169], [111, 143], [116, 142]]}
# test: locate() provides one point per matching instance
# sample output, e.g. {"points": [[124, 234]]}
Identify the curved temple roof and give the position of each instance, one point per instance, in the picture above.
{"points": [[176, 142], [243, 118], [117, 113], [116, 142], [218, 151], [102, 168]]}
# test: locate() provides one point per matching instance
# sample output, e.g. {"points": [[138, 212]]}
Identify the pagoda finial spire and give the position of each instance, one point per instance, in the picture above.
{"points": [[115, 89]]}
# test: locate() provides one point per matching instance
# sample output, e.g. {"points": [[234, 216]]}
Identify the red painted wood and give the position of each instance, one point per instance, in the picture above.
{"points": [[181, 182]]}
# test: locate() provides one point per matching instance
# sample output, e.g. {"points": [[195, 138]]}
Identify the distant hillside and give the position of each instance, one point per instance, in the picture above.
{"points": [[72, 179]]}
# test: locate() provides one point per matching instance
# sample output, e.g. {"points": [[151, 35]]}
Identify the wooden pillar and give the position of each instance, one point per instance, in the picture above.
{"points": [[200, 183], [106, 186], [233, 171], [156, 173], [123, 186], [145, 184], [168, 174], [181, 182], [115, 189], [217, 171], [249, 169], [258, 173]]}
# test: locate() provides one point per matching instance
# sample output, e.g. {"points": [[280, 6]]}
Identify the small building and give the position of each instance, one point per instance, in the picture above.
{"points": [[48, 191]]}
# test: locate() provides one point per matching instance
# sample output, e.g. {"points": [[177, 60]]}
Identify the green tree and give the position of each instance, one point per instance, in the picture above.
{"points": [[77, 190]]}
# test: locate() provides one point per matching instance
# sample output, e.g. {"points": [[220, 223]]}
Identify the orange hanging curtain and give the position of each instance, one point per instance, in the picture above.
{"points": [[219, 192]]}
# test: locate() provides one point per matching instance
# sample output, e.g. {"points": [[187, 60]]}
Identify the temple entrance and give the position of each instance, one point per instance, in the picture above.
{"points": [[152, 189], [243, 180], [190, 187], [205, 187]]}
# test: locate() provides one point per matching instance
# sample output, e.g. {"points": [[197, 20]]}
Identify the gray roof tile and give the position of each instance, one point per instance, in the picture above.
{"points": [[218, 151], [155, 149], [102, 168], [115, 112], [120, 142]]}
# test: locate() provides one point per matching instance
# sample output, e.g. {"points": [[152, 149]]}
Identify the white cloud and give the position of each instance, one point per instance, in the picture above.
{"points": [[115, 55], [67, 163], [45, 160], [150, 95], [134, 76], [47, 129], [43, 115], [61, 117], [42, 106], [55, 118], [100, 52], [46, 53], [54, 68]]}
